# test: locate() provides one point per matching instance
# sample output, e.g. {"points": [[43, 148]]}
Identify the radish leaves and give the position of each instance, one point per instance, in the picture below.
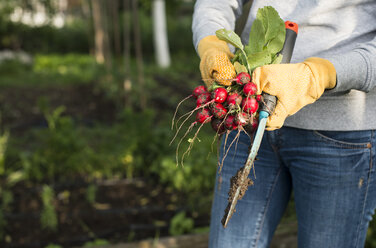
{"points": [[230, 37], [239, 68], [266, 39]]}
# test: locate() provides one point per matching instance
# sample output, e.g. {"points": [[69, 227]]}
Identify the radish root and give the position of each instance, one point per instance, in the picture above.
{"points": [[176, 110]]}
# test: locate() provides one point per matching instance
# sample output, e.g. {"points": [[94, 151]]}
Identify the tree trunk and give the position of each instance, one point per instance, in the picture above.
{"points": [[160, 34], [86, 10], [115, 25], [138, 50], [127, 84], [102, 48]]}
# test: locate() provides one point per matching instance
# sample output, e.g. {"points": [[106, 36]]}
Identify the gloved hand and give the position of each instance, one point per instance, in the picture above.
{"points": [[215, 62], [294, 85]]}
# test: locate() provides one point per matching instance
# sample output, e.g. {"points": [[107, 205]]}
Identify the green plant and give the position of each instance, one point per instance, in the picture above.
{"points": [[181, 224], [53, 246], [3, 146], [371, 235], [91, 192], [60, 152], [6, 200], [48, 216], [96, 242]]}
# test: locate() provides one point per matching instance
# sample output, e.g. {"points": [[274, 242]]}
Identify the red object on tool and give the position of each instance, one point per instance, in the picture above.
{"points": [[292, 26]]}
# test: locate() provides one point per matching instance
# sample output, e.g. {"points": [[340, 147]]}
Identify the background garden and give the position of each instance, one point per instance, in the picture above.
{"points": [[87, 94]]}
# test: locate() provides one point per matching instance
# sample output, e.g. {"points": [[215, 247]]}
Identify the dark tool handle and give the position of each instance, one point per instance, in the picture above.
{"points": [[288, 47]]}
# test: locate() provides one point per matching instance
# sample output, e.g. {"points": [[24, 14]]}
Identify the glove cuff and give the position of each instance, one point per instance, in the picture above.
{"points": [[323, 71], [212, 42]]}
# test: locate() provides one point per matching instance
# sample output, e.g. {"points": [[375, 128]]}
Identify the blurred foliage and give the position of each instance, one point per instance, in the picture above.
{"points": [[91, 192], [76, 36], [6, 197], [181, 224], [64, 151], [3, 146], [48, 216], [53, 246], [51, 69], [96, 243], [7, 6], [73, 37], [371, 234]]}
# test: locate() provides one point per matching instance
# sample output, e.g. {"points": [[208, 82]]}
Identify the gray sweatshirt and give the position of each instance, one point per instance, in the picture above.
{"points": [[342, 31]]}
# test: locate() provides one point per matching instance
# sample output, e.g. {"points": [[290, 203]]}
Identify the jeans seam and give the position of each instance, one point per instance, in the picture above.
{"points": [[341, 144], [357, 240], [266, 208]]}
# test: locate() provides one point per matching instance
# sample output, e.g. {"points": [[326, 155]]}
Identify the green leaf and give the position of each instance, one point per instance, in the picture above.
{"points": [[276, 45], [240, 68], [277, 59], [256, 38], [239, 58], [230, 37], [259, 59], [271, 22], [267, 32], [274, 26], [236, 57]]}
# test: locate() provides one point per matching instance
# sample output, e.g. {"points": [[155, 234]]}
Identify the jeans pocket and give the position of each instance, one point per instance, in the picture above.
{"points": [[346, 139]]}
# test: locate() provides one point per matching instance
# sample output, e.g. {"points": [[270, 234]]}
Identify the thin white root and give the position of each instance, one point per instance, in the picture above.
{"points": [[177, 148], [176, 110]]}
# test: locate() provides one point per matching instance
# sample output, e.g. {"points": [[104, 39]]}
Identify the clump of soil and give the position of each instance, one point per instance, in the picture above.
{"points": [[236, 182]]}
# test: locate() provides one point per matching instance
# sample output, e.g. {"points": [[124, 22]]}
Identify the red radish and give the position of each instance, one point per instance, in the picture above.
{"points": [[242, 119], [250, 89], [218, 125], [255, 124], [199, 90], [249, 105], [233, 99], [203, 99], [258, 97], [251, 127], [243, 78], [220, 95], [229, 122], [218, 110], [203, 116]]}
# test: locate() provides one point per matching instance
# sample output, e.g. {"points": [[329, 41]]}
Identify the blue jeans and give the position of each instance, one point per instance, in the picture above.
{"points": [[332, 175]]}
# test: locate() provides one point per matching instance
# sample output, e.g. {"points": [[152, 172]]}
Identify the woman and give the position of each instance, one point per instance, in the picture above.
{"points": [[321, 142]]}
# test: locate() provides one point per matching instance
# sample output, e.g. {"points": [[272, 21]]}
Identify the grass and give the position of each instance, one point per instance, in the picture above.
{"points": [[50, 70]]}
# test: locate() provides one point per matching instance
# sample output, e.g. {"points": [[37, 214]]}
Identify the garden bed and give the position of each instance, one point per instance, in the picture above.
{"points": [[123, 210]]}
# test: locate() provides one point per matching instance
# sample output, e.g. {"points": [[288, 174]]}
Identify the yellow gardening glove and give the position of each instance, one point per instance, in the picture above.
{"points": [[215, 62], [294, 85]]}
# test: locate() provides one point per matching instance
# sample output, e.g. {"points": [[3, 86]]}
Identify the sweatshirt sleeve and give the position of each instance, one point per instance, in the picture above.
{"points": [[211, 15], [356, 69]]}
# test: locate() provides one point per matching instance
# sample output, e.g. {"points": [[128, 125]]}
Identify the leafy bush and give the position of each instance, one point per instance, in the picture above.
{"points": [[60, 152], [181, 224], [48, 216], [52, 69], [371, 234], [73, 37], [96, 243], [72, 67]]}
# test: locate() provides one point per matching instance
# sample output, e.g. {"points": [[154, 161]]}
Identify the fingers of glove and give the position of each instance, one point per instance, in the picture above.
{"points": [[276, 120], [216, 65], [206, 73], [223, 70]]}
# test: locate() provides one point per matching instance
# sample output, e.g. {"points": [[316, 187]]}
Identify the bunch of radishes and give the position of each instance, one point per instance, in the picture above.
{"points": [[229, 107]]}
